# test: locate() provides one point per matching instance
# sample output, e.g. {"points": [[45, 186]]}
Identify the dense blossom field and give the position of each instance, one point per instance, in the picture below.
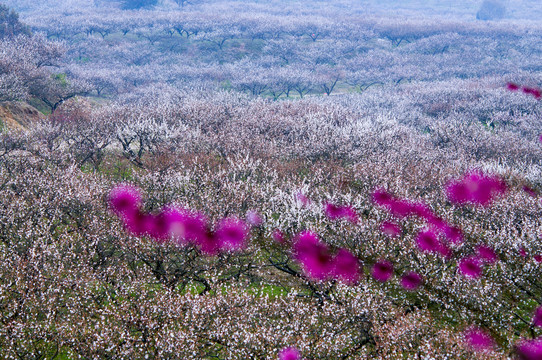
{"points": [[229, 180]]}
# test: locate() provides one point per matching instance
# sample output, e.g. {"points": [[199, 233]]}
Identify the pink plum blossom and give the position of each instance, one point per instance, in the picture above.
{"points": [[454, 234], [530, 349], [186, 226], [289, 354], [278, 236], [125, 199], [382, 198], [423, 211], [254, 219], [487, 254], [346, 267], [411, 281], [529, 190], [478, 339], [470, 267], [428, 241], [537, 318], [512, 87], [231, 234], [303, 199], [313, 255], [445, 251], [401, 208], [475, 188], [159, 227], [209, 244], [382, 271], [537, 93], [335, 212], [390, 228], [138, 223]]}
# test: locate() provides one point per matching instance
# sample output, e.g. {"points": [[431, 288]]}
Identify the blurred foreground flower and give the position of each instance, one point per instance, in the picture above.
{"points": [[530, 349], [313, 255], [411, 281], [346, 267], [470, 267], [336, 212], [177, 224], [475, 188], [289, 354], [537, 93], [232, 234], [487, 254], [390, 228], [537, 318], [125, 200], [427, 241], [382, 271], [478, 339]]}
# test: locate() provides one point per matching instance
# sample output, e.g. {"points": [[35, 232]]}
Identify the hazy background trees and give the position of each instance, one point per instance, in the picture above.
{"points": [[491, 10]]}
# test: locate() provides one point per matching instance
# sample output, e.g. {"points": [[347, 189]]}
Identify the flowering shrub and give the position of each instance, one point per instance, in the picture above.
{"points": [[403, 221]]}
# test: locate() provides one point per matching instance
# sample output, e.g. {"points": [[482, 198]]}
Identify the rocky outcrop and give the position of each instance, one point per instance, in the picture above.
{"points": [[16, 115]]}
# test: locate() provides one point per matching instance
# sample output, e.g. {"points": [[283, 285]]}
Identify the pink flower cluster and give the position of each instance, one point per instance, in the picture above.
{"points": [[289, 354], [475, 188], [530, 349], [319, 264], [472, 266], [336, 212], [428, 239], [529, 190], [537, 318], [383, 271], [537, 93], [303, 199], [391, 229], [435, 238], [180, 225], [478, 339]]}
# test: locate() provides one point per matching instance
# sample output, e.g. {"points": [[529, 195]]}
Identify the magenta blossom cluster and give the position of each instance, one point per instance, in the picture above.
{"points": [[382, 270], [180, 225], [278, 236], [289, 354], [472, 266], [529, 190], [475, 188], [318, 262], [530, 349], [478, 339], [537, 93], [428, 240], [336, 212], [411, 281], [537, 318], [302, 199], [390, 228]]}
